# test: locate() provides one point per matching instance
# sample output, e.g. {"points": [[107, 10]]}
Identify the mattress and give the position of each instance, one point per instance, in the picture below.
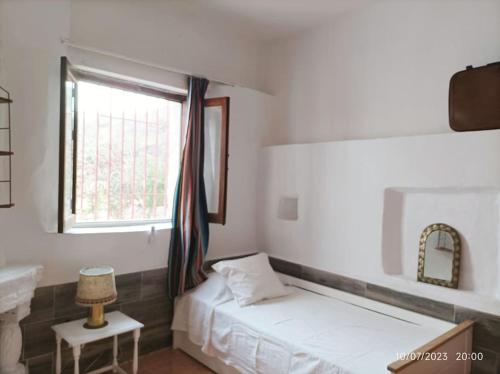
{"points": [[303, 332]]}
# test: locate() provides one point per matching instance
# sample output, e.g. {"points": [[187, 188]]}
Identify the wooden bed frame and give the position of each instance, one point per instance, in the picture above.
{"points": [[446, 354], [454, 344]]}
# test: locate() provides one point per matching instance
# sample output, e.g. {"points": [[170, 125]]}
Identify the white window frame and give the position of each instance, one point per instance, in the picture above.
{"points": [[70, 224]]}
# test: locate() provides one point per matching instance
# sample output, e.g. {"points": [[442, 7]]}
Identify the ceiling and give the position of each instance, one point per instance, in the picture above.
{"points": [[273, 19]]}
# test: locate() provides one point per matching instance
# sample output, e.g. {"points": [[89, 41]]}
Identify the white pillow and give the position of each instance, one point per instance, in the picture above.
{"points": [[212, 292], [251, 279]]}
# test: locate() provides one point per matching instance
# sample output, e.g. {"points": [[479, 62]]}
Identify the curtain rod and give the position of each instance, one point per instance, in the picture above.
{"points": [[137, 61]]}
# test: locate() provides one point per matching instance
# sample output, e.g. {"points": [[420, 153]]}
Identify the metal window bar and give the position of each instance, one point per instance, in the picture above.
{"points": [[96, 191], [144, 197], [82, 170], [121, 164], [133, 167], [157, 151], [109, 165], [167, 150]]}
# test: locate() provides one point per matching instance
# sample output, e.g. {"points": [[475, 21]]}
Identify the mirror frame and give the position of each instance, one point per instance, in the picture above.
{"points": [[456, 256]]}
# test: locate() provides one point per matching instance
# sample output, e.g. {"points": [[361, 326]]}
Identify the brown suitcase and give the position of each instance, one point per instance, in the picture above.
{"points": [[474, 98]]}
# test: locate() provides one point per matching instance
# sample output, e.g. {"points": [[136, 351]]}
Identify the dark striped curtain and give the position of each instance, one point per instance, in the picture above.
{"points": [[189, 235]]}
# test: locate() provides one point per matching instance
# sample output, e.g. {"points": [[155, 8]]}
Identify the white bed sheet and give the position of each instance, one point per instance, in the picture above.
{"points": [[300, 333]]}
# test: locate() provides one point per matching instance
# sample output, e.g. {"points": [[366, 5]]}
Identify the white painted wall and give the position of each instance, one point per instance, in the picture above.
{"points": [[31, 48], [169, 33], [379, 71], [341, 187]]}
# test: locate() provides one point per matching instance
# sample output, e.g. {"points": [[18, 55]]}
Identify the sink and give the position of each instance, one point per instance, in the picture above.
{"points": [[17, 287]]}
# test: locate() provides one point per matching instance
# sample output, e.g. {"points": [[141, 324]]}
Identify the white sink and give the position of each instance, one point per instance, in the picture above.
{"points": [[17, 286]]}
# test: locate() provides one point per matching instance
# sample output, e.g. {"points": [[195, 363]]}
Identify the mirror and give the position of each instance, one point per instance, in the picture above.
{"points": [[439, 256]]}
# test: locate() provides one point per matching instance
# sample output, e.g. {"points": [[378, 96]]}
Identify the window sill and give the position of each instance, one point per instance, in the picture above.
{"points": [[148, 227]]}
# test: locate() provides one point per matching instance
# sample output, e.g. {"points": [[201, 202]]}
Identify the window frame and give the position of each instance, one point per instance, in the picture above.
{"points": [[78, 74], [87, 76]]}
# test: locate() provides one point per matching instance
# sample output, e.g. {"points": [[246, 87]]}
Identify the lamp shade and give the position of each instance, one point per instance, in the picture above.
{"points": [[96, 285]]}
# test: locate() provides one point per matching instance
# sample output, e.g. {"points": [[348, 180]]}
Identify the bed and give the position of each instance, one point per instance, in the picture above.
{"points": [[314, 329]]}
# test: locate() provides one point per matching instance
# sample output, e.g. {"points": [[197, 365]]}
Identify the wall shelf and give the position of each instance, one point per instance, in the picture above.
{"points": [[5, 151]]}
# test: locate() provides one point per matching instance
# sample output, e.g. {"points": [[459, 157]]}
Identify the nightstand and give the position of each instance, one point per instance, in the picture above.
{"points": [[76, 336]]}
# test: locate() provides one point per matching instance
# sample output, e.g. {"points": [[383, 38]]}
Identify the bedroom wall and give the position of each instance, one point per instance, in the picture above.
{"points": [[379, 71], [31, 48], [350, 223], [169, 33]]}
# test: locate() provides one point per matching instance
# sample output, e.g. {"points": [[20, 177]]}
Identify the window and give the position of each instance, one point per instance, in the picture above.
{"points": [[120, 152]]}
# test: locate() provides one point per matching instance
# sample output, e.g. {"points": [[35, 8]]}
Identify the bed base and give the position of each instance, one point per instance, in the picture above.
{"points": [[456, 341], [182, 342]]}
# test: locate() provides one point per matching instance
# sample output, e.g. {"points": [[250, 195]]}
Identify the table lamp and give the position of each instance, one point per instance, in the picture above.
{"points": [[96, 288]]}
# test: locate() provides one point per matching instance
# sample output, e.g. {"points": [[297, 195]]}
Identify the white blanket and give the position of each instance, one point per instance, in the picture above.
{"points": [[300, 333]]}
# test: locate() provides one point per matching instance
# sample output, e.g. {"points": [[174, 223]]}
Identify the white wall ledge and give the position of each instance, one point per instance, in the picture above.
{"points": [[463, 298], [151, 227]]}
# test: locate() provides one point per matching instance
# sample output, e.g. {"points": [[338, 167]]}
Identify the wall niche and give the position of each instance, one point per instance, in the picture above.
{"points": [[473, 212]]}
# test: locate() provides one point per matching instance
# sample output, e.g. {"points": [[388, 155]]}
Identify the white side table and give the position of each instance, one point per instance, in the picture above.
{"points": [[76, 335]]}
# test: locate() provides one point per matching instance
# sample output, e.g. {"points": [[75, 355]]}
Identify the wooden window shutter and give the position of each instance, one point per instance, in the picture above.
{"points": [[67, 147], [216, 157]]}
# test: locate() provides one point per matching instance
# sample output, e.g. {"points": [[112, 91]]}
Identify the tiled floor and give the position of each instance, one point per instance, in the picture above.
{"points": [[168, 361]]}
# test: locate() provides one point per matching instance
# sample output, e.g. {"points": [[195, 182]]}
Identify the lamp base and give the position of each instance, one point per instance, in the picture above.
{"points": [[90, 327], [96, 317]]}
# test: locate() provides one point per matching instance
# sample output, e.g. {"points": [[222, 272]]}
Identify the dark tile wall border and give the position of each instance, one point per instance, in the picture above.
{"points": [[486, 329], [416, 304], [141, 295]]}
